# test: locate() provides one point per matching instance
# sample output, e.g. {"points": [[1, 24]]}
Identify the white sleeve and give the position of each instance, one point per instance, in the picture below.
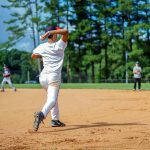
{"points": [[61, 44], [38, 50]]}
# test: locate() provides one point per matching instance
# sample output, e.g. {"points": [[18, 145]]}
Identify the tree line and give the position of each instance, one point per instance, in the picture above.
{"points": [[21, 66], [106, 37]]}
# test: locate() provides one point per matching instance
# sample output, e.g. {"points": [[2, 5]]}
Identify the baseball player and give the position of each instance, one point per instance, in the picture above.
{"points": [[137, 75], [52, 54], [6, 75]]}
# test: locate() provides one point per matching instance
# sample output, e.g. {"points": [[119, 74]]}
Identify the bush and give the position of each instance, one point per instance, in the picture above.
{"points": [[15, 78]]}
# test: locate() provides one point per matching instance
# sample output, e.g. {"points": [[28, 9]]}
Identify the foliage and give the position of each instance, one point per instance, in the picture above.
{"points": [[101, 34], [20, 64]]}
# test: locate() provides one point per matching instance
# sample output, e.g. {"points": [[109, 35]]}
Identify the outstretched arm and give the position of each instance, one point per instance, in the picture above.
{"points": [[62, 32]]}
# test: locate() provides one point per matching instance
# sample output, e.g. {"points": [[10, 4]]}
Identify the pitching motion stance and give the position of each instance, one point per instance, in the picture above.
{"points": [[52, 54], [6, 79]]}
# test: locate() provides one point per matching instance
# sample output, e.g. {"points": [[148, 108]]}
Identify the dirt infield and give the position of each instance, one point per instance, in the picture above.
{"points": [[95, 119]]}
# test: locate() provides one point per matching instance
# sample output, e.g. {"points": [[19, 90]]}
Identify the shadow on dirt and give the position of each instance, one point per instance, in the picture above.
{"points": [[93, 125]]}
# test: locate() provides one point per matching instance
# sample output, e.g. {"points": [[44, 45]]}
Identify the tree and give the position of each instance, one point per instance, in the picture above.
{"points": [[25, 23]]}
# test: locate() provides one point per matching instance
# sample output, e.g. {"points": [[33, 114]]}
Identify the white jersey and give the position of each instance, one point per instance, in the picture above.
{"points": [[138, 70], [53, 56]]}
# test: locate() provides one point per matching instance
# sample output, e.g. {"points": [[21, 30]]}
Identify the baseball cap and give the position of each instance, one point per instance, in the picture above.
{"points": [[137, 62], [50, 28]]}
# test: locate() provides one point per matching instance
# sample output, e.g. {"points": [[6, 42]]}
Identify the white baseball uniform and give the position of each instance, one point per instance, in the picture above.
{"points": [[50, 77]]}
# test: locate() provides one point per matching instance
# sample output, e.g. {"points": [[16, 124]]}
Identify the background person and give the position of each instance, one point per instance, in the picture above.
{"points": [[137, 75], [6, 79]]}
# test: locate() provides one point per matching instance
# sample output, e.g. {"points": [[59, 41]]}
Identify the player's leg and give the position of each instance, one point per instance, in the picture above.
{"points": [[39, 116], [10, 84], [135, 80], [139, 83], [2, 85], [52, 104], [55, 117], [55, 112], [52, 94]]}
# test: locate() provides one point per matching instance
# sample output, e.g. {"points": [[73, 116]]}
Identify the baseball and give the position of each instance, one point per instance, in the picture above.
{"points": [[41, 38]]}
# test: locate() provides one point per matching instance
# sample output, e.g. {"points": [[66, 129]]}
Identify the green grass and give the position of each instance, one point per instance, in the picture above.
{"points": [[28, 86], [121, 86], [117, 86]]}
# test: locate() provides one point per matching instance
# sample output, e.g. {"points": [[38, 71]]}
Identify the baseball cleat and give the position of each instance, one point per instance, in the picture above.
{"points": [[39, 116], [57, 123]]}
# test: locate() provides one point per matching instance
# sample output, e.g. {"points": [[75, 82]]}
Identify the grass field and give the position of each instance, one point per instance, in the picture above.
{"points": [[117, 86]]}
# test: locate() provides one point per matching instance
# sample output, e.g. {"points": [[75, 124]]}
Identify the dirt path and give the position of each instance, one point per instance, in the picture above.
{"points": [[95, 119]]}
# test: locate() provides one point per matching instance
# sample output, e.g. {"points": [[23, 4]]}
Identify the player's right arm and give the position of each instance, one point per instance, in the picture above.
{"points": [[63, 32]]}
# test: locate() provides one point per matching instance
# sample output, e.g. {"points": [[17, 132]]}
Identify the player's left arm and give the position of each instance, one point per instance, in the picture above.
{"points": [[134, 71], [35, 56], [37, 52], [140, 70]]}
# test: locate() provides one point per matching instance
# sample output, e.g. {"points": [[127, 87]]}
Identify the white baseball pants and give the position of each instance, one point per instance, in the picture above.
{"points": [[52, 102], [52, 89]]}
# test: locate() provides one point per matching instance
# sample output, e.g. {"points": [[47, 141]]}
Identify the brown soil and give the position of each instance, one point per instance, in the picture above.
{"points": [[95, 119]]}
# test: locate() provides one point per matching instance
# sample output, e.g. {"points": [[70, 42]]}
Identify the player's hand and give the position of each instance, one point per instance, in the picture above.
{"points": [[138, 72], [44, 36], [4, 75]]}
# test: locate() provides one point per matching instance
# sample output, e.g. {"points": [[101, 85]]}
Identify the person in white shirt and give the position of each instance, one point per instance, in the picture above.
{"points": [[6, 79], [52, 54], [137, 75]]}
